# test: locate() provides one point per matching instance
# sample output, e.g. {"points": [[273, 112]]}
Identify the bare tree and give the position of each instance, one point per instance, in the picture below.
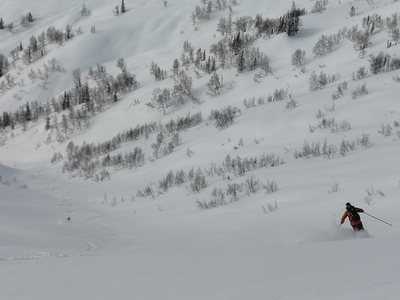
{"points": [[298, 58]]}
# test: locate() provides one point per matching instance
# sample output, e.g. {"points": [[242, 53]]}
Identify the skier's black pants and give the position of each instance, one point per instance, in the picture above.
{"points": [[358, 227]]}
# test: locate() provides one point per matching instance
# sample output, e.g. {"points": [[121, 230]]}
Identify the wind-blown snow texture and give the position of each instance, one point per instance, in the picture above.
{"points": [[284, 245]]}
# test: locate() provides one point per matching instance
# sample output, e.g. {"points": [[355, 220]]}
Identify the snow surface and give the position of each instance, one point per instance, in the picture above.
{"points": [[119, 246]]}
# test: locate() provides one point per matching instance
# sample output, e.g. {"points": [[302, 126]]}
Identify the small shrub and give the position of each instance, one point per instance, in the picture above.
{"points": [[273, 207], [270, 187], [360, 91], [252, 184], [147, 191], [198, 182], [368, 200], [270, 207], [346, 146], [360, 74], [372, 191], [319, 114], [210, 204], [298, 58], [189, 152], [343, 126], [340, 90], [319, 6], [292, 104], [113, 201], [225, 117], [364, 141], [278, 95], [334, 188], [386, 130], [218, 196], [233, 190], [56, 157]]}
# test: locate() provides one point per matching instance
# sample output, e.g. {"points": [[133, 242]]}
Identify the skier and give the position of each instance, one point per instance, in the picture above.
{"points": [[353, 214]]}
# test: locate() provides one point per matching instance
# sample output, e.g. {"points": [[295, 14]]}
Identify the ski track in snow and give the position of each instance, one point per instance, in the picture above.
{"points": [[34, 255], [91, 244]]}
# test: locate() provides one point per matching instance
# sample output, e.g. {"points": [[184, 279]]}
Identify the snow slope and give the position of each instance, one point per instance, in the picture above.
{"points": [[284, 245]]}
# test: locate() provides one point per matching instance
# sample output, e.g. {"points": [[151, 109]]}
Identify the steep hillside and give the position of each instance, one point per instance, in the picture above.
{"points": [[199, 149]]}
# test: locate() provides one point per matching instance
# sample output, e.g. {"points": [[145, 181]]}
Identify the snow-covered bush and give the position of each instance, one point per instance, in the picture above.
{"points": [[359, 91]]}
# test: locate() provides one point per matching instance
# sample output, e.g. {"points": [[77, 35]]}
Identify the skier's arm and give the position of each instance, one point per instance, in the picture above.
{"points": [[360, 210], [345, 215]]}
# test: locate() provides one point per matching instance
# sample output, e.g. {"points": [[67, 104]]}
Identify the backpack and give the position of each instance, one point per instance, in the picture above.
{"points": [[354, 215]]}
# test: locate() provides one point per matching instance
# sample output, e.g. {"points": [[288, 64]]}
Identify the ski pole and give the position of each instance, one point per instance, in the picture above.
{"points": [[378, 219]]}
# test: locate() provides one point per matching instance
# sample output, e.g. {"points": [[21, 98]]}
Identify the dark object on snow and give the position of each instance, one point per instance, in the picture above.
{"points": [[69, 219], [353, 214]]}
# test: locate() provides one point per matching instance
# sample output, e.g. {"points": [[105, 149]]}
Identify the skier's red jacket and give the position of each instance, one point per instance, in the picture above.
{"points": [[347, 214]]}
